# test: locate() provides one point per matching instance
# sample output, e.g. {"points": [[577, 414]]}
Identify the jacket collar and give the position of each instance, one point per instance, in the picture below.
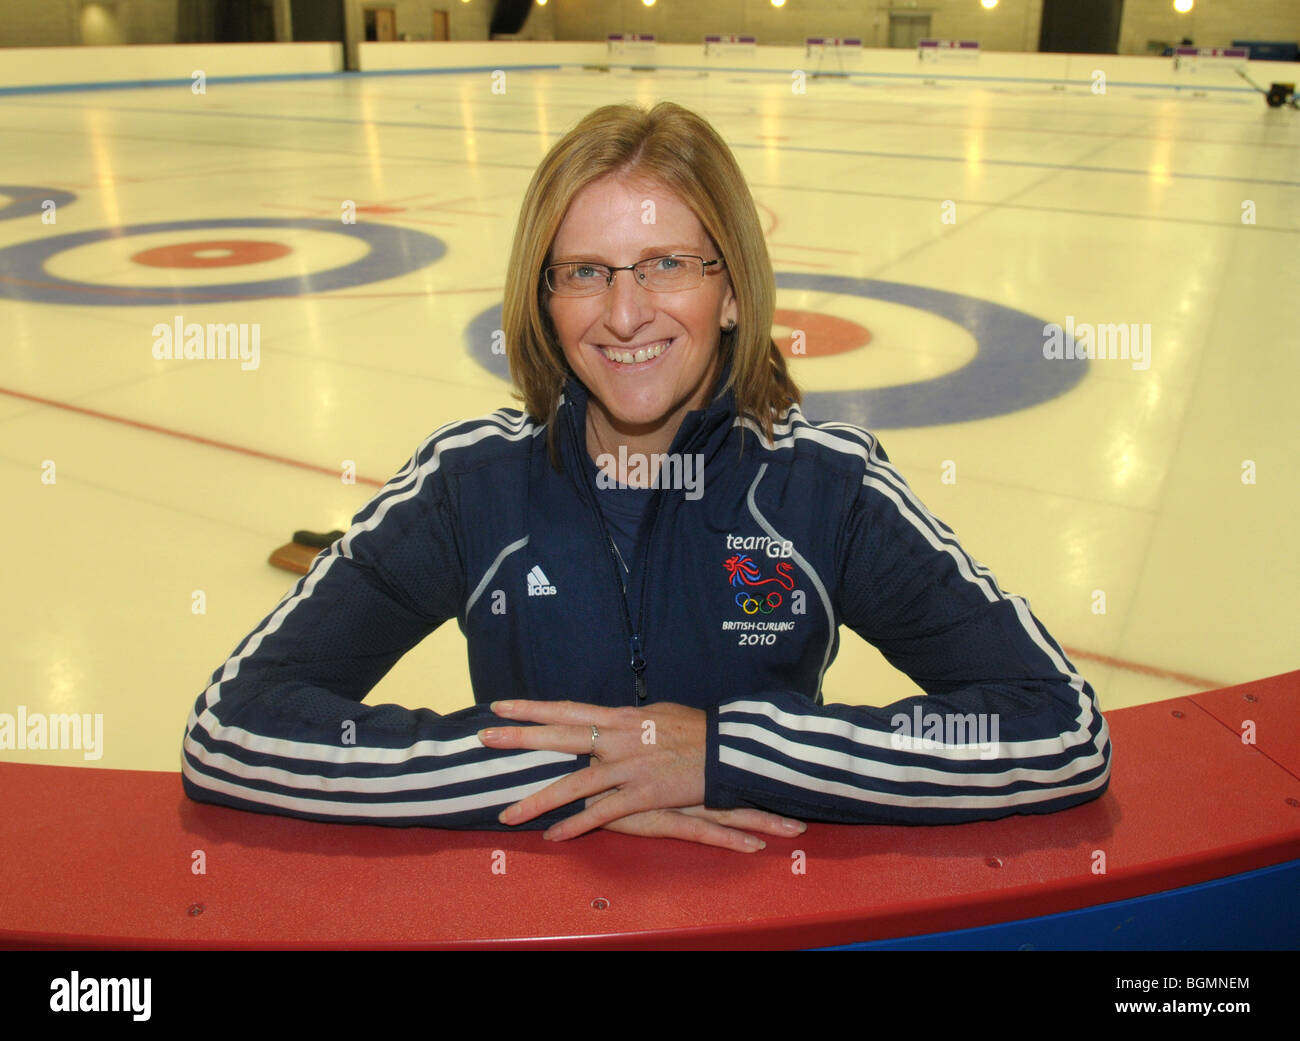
{"points": [[703, 430]]}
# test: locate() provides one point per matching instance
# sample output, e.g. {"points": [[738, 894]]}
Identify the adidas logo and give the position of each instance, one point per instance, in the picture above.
{"points": [[538, 583]]}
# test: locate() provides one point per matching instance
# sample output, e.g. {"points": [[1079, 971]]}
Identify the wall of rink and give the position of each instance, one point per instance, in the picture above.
{"points": [[156, 64], [72, 67], [1072, 71]]}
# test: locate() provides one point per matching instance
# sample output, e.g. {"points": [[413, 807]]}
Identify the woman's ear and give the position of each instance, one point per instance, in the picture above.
{"points": [[730, 309]]}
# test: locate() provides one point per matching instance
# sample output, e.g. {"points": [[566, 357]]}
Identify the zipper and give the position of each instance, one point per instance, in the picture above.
{"points": [[638, 667], [638, 660]]}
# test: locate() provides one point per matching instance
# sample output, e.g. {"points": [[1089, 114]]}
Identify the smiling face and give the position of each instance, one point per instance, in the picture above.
{"points": [[639, 401]]}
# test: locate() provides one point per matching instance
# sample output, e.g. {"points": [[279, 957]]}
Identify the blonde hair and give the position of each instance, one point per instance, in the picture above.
{"points": [[678, 149]]}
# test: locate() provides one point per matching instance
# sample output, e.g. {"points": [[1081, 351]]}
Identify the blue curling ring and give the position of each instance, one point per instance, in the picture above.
{"points": [[394, 251]]}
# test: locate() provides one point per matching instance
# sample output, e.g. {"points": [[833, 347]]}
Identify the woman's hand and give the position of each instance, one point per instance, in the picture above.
{"points": [[722, 828], [647, 773]]}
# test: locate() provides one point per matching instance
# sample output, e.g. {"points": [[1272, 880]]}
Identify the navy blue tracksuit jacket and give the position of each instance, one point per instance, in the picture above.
{"points": [[734, 605]]}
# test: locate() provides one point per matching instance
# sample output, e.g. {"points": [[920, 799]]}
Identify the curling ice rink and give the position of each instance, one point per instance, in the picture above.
{"points": [[1147, 511]]}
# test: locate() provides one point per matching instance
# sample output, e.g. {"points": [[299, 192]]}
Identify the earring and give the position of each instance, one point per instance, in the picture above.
{"points": [[731, 325]]}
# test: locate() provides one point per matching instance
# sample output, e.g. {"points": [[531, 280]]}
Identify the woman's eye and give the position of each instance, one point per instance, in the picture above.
{"points": [[584, 271], [669, 263]]}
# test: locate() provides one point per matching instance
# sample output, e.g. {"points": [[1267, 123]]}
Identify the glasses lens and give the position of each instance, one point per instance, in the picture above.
{"points": [[577, 279], [670, 274], [658, 274]]}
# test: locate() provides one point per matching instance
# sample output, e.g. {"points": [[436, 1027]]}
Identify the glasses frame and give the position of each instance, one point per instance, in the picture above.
{"points": [[610, 272]]}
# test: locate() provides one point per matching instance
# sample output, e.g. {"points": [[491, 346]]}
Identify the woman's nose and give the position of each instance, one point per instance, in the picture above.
{"points": [[629, 305]]}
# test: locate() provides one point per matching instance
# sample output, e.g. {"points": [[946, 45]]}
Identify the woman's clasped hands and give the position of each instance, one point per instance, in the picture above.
{"points": [[646, 776]]}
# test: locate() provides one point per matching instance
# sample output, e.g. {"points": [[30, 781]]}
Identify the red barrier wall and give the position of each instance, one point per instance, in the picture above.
{"points": [[102, 858]]}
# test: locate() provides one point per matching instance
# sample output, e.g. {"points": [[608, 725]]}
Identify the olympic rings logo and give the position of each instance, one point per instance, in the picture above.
{"points": [[753, 605]]}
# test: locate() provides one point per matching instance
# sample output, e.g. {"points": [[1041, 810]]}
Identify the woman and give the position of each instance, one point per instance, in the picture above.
{"points": [[650, 564]]}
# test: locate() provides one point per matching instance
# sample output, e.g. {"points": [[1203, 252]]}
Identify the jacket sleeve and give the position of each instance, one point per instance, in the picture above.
{"points": [[1007, 724], [281, 728]]}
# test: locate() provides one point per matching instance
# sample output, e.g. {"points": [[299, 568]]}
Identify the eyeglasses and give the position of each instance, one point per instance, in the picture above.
{"points": [[670, 274]]}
